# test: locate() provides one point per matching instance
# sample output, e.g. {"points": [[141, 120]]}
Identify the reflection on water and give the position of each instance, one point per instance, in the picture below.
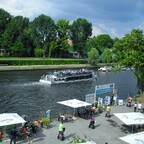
{"points": [[21, 91]]}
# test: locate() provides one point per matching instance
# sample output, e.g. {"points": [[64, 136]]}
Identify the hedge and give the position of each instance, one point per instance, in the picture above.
{"points": [[20, 62]]}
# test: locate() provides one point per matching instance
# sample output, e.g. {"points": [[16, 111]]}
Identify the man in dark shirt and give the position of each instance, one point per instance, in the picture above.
{"points": [[13, 134]]}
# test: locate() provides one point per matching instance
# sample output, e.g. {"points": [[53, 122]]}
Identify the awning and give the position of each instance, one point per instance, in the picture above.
{"points": [[137, 138], [74, 103], [131, 118], [10, 119]]}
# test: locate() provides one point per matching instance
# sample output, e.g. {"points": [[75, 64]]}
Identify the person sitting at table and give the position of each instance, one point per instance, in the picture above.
{"points": [[78, 112], [26, 132], [61, 117]]}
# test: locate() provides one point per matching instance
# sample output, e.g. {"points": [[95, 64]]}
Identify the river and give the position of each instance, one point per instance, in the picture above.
{"points": [[21, 91]]}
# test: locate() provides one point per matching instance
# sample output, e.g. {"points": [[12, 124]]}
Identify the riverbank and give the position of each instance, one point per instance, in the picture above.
{"points": [[42, 67]]}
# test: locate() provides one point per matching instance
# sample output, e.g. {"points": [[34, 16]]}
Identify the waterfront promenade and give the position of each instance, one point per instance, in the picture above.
{"points": [[107, 129]]}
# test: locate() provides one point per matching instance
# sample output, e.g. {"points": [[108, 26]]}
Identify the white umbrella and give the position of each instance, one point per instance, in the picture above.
{"points": [[131, 118], [74, 103], [10, 119], [137, 138]]}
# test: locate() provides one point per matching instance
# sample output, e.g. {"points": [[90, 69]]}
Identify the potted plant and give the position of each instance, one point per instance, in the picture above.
{"points": [[45, 122]]}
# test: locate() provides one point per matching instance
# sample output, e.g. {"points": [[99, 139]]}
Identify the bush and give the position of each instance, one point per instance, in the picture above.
{"points": [[20, 62], [46, 122], [39, 52], [76, 140], [100, 107], [93, 56]]}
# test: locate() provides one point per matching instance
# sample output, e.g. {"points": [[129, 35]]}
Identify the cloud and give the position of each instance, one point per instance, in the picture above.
{"points": [[27, 8], [113, 17], [141, 26], [96, 31], [102, 28]]}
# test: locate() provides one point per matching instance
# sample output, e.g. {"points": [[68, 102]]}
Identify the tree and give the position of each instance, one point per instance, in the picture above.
{"points": [[129, 52], [17, 49], [102, 41], [43, 32], [88, 46], [14, 31], [62, 36], [5, 18], [81, 30], [107, 55], [38, 52], [28, 43], [93, 56]]}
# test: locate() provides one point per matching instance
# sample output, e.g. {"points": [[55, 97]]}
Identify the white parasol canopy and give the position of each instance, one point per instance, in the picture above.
{"points": [[137, 138], [10, 119], [74, 103], [131, 118]]}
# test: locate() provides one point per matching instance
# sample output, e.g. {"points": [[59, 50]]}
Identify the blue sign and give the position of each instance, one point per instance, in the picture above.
{"points": [[100, 89], [106, 90]]}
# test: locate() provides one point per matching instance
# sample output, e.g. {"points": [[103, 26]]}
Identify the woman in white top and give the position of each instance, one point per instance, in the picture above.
{"points": [[139, 106]]}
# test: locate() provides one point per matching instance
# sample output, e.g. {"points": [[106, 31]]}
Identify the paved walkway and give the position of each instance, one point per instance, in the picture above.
{"points": [[107, 130]]}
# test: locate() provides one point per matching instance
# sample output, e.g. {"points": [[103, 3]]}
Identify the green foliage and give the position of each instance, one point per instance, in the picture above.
{"points": [[38, 52], [93, 56], [76, 140], [102, 42], [5, 18], [107, 56], [100, 108], [43, 31], [80, 31], [140, 98], [46, 122], [28, 61], [14, 31], [17, 49], [129, 52]]}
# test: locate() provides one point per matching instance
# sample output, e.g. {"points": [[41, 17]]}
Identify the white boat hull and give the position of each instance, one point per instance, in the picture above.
{"points": [[63, 82], [61, 77]]}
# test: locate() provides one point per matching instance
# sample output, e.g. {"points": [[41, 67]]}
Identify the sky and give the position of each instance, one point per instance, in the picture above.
{"points": [[113, 17]]}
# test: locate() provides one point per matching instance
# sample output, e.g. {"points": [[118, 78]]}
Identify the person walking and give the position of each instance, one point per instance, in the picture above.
{"points": [[108, 109], [111, 99], [13, 135], [61, 129]]}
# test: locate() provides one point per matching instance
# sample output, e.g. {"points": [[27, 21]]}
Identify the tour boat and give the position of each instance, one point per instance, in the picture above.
{"points": [[68, 76]]}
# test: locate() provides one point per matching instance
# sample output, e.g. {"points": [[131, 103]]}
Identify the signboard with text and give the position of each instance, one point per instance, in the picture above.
{"points": [[101, 89], [90, 98]]}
